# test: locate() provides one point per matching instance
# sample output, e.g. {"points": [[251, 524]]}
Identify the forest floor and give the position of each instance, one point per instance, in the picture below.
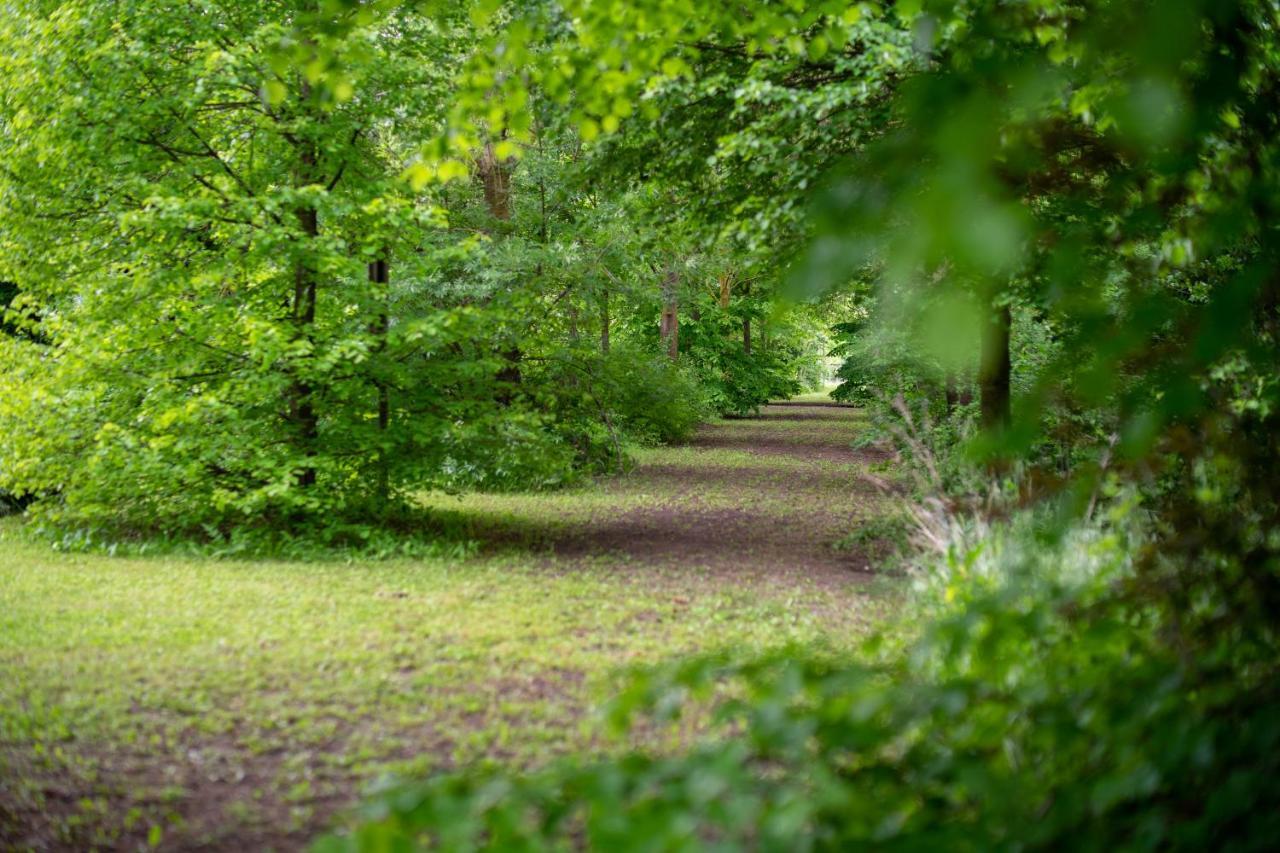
{"points": [[200, 703]]}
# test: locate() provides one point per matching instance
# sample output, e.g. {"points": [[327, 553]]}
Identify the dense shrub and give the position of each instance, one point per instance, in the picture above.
{"points": [[738, 380], [600, 404], [654, 400]]}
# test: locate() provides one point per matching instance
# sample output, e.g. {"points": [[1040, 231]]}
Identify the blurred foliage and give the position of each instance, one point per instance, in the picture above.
{"points": [[1094, 665]]}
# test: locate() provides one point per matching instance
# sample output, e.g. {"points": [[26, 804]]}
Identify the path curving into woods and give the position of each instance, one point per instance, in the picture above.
{"points": [[769, 504], [764, 500]]}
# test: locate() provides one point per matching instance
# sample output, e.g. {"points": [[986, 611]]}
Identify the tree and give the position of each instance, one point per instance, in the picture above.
{"points": [[196, 214]]}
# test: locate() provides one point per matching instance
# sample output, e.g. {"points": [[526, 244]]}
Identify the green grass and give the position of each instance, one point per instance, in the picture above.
{"points": [[822, 395], [192, 701]]}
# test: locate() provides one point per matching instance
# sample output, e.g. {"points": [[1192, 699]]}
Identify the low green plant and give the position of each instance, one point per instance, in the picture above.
{"points": [[655, 401]]}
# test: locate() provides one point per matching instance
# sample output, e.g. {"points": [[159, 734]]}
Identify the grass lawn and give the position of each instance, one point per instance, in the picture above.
{"points": [[181, 702], [822, 395]]}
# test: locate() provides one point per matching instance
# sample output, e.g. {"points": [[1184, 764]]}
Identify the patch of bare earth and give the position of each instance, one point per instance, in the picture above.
{"points": [[769, 525]]}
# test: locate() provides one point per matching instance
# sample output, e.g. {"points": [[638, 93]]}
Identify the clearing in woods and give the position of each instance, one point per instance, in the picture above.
{"points": [[185, 702]]}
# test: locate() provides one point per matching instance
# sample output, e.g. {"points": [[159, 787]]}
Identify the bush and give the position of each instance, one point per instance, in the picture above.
{"points": [[653, 400], [599, 404]]}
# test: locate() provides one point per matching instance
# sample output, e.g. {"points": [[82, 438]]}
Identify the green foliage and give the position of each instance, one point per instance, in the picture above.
{"points": [[656, 401], [205, 350], [880, 362], [737, 381], [213, 346], [740, 384]]}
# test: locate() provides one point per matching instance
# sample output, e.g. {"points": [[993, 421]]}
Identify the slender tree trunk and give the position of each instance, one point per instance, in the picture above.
{"points": [[604, 322], [670, 328], [380, 277], [495, 175], [746, 335], [996, 369], [305, 283], [726, 282]]}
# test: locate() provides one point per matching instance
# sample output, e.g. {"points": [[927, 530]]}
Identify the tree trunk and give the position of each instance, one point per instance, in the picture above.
{"points": [[746, 335], [495, 174], [305, 281], [604, 322], [726, 282], [996, 369], [670, 328], [380, 277]]}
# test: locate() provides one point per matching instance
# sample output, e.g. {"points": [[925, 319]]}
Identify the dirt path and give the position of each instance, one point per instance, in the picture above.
{"points": [[765, 500]]}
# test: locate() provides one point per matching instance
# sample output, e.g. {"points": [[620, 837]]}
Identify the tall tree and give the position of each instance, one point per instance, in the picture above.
{"points": [[204, 242]]}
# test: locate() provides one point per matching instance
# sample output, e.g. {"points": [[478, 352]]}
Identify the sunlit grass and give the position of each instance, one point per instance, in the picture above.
{"points": [[822, 395]]}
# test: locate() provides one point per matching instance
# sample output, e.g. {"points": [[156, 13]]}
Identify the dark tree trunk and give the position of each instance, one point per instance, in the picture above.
{"points": [[380, 277], [301, 404], [996, 369], [604, 322], [746, 335]]}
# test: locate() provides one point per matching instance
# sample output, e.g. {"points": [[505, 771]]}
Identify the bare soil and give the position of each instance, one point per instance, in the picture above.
{"points": [[781, 526]]}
